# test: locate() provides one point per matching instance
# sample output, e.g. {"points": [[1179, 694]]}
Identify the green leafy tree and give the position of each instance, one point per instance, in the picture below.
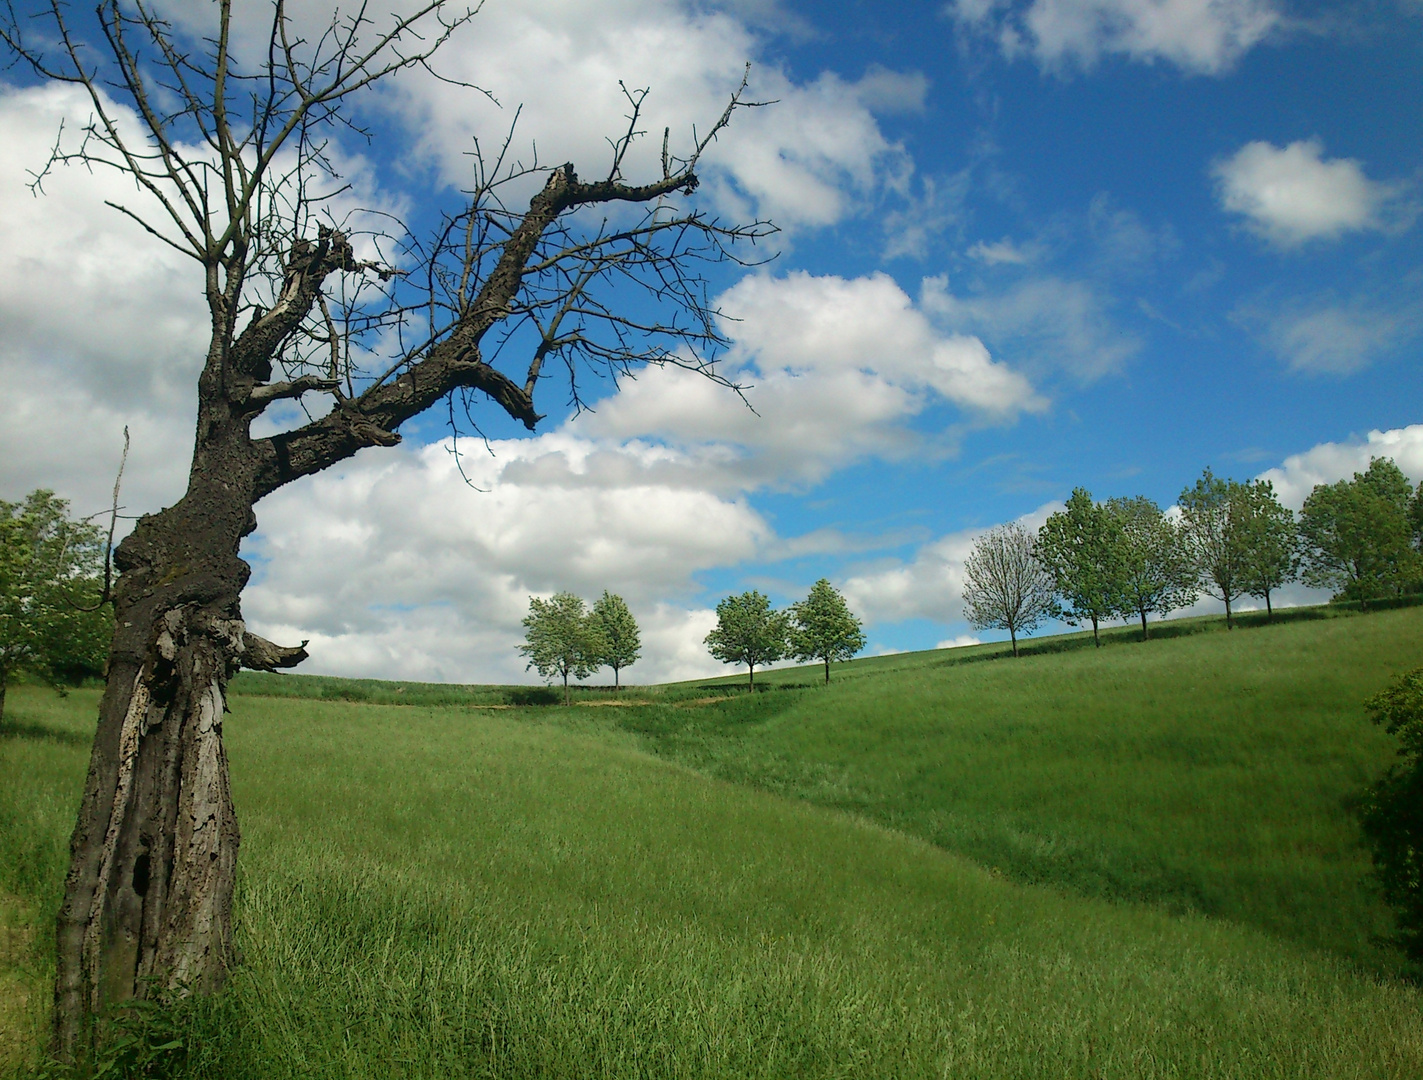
{"points": [[1357, 535], [1392, 810], [612, 623], [51, 622], [1156, 574], [1213, 532], [822, 627], [749, 632], [561, 640], [1005, 586], [1271, 543], [1079, 546]]}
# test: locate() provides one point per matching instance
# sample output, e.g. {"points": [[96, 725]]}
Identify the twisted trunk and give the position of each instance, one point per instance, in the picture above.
{"points": [[148, 900]]}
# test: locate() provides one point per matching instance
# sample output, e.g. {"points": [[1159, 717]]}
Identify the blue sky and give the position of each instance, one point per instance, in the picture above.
{"points": [[1026, 246]]}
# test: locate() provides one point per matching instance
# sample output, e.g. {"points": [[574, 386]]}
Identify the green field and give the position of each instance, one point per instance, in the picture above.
{"points": [[1133, 862]]}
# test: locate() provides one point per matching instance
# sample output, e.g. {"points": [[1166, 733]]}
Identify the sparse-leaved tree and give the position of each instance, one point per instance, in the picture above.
{"points": [[823, 627], [52, 623], [748, 631], [230, 144], [1156, 573], [561, 640], [1079, 546], [616, 629], [1005, 586]]}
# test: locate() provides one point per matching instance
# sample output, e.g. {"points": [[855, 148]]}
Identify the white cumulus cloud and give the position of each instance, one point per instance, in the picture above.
{"points": [[1293, 194]]}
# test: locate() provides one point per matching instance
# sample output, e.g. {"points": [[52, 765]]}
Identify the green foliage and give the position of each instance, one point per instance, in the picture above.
{"points": [[560, 639], [1214, 536], [50, 571], [1005, 586], [1079, 547], [822, 627], [1357, 534], [1271, 541], [1392, 812], [1157, 574], [748, 632], [613, 625]]}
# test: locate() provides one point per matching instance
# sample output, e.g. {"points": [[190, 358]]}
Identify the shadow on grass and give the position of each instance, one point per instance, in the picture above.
{"points": [[22, 730]]}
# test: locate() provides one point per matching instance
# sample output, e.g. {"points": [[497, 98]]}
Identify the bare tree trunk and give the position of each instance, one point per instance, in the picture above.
{"points": [[4, 682], [827, 671], [148, 899], [1269, 611], [751, 675], [1229, 624], [1096, 639], [1143, 624], [1013, 634]]}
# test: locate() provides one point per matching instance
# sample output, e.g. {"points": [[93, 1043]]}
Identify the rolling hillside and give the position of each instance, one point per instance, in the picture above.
{"points": [[1138, 862]]}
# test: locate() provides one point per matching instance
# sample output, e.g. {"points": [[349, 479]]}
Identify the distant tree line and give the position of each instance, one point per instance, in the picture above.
{"points": [[1126, 558]]}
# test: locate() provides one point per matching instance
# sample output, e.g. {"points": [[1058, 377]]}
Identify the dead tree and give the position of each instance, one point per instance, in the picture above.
{"points": [[233, 166]]}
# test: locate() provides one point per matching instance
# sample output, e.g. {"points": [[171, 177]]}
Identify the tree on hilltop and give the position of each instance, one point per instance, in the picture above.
{"points": [[1213, 532], [1078, 546], [561, 640], [748, 631], [822, 627], [1271, 543], [616, 629], [52, 623], [1005, 586], [229, 146], [1357, 535], [1156, 573]]}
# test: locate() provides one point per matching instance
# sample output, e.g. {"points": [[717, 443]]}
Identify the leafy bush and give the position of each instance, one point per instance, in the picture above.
{"points": [[1392, 811]]}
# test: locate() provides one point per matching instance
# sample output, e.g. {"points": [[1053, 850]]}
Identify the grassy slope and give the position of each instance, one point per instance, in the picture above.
{"points": [[1213, 772], [447, 892]]}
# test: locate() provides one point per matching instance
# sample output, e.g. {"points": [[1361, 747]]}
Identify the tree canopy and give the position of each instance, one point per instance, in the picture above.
{"points": [[1271, 543], [748, 631], [1079, 547], [52, 623], [614, 627], [1214, 535], [1357, 535], [1005, 586], [822, 627], [561, 640], [1156, 573]]}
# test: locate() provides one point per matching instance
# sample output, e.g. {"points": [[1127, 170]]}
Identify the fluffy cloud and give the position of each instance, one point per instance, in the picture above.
{"points": [[1330, 462], [811, 159], [1199, 36], [395, 565], [839, 368], [1293, 194]]}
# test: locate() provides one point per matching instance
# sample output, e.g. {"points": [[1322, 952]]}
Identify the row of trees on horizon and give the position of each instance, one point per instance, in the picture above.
{"points": [[1092, 562]]}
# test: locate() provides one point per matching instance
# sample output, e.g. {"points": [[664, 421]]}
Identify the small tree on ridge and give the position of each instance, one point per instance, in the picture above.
{"points": [[748, 632], [1005, 586], [561, 639], [823, 627], [616, 630], [1079, 547]]}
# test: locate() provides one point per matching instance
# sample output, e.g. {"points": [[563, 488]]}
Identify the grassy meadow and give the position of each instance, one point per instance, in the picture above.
{"points": [[1138, 861]]}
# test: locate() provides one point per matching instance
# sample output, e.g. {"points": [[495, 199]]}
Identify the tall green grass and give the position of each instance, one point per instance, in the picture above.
{"points": [[1213, 773], [457, 891]]}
